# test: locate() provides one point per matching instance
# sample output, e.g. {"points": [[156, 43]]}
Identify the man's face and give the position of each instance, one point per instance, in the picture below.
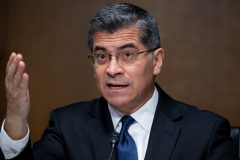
{"points": [[125, 87]]}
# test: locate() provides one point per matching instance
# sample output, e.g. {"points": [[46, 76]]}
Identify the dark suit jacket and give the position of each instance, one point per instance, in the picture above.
{"points": [[81, 131]]}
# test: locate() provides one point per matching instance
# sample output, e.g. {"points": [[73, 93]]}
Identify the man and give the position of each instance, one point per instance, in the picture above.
{"points": [[127, 56]]}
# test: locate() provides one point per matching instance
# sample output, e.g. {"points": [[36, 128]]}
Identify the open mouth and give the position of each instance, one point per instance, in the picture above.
{"points": [[116, 86]]}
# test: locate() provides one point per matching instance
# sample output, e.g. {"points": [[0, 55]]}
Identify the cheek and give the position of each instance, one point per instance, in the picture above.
{"points": [[144, 70], [143, 75], [97, 72], [138, 75], [99, 75]]}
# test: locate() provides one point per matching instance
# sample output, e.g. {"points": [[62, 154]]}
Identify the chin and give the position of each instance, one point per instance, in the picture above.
{"points": [[116, 102]]}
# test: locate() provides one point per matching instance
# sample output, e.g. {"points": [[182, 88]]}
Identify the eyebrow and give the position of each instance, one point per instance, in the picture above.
{"points": [[128, 45], [99, 48]]}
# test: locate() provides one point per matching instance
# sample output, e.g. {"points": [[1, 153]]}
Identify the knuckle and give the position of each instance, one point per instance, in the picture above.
{"points": [[11, 94], [21, 89], [8, 89], [16, 79], [14, 95], [7, 79]]}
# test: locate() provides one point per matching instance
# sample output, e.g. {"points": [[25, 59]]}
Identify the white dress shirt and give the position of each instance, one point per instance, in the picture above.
{"points": [[12, 148], [139, 130]]}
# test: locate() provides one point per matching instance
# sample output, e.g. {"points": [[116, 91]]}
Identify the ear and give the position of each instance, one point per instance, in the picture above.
{"points": [[158, 60]]}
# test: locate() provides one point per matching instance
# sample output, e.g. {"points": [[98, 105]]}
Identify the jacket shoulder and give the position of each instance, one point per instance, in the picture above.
{"points": [[192, 117], [83, 105]]}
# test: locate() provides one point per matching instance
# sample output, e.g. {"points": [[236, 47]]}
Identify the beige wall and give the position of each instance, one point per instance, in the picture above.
{"points": [[200, 38]]}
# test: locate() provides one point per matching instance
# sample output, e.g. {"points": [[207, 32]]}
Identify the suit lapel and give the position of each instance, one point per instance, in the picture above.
{"points": [[165, 131], [100, 128], [163, 136]]}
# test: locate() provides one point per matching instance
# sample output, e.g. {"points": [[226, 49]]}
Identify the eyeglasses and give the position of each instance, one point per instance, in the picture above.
{"points": [[124, 58]]}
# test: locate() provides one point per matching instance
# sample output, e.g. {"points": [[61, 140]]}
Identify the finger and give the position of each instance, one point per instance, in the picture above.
{"points": [[10, 61], [23, 87], [13, 68], [18, 76]]}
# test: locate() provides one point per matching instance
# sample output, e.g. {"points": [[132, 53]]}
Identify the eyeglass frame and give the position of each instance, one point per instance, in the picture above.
{"points": [[110, 55]]}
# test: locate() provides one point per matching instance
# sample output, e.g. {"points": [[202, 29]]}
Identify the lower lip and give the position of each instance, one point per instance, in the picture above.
{"points": [[117, 87]]}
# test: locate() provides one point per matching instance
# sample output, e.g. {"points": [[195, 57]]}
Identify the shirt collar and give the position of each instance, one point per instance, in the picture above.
{"points": [[143, 116]]}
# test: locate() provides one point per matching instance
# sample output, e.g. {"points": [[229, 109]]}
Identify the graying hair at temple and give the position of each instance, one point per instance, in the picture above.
{"points": [[117, 16]]}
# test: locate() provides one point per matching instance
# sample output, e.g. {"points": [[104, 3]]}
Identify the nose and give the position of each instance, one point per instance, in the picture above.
{"points": [[114, 68]]}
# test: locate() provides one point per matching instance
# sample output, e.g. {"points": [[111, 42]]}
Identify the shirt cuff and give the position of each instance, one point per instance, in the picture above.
{"points": [[12, 148]]}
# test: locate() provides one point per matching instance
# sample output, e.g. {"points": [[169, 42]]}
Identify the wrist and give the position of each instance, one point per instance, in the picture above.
{"points": [[15, 127]]}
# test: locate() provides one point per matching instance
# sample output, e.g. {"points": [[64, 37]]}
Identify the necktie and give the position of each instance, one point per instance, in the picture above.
{"points": [[126, 149]]}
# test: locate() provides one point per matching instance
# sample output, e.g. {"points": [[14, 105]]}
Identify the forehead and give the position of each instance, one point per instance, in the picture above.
{"points": [[117, 39]]}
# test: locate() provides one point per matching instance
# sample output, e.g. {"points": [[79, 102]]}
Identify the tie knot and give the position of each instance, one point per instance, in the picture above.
{"points": [[126, 122]]}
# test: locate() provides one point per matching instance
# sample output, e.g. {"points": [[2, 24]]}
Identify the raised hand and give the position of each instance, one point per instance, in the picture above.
{"points": [[18, 104]]}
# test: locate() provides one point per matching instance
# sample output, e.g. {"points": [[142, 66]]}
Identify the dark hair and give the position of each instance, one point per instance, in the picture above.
{"points": [[116, 16]]}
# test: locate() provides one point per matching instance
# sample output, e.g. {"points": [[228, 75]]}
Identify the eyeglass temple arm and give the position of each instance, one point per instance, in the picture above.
{"points": [[150, 50]]}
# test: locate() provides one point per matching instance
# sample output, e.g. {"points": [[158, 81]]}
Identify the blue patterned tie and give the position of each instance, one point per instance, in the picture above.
{"points": [[126, 149]]}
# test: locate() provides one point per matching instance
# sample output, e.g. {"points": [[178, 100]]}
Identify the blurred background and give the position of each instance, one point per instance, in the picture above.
{"points": [[200, 38]]}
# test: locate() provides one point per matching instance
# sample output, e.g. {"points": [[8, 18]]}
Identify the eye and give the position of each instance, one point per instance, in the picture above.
{"points": [[128, 54], [101, 56]]}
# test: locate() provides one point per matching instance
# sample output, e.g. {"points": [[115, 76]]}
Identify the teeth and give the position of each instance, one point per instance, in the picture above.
{"points": [[116, 86]]}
